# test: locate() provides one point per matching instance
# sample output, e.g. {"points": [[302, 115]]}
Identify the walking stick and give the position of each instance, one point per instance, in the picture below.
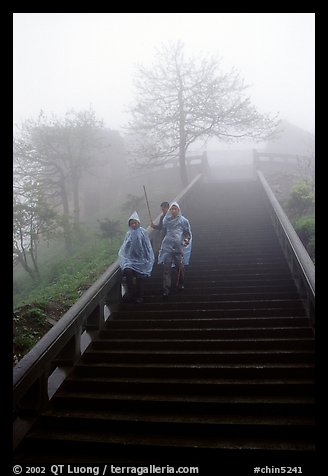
{"points": [[147, 203]]}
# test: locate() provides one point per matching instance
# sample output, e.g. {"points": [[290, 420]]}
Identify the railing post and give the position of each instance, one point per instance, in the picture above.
{"points": [[95, 318], [72, 350], [205, 165], [255, 158], [114, 295], [35, 398]]}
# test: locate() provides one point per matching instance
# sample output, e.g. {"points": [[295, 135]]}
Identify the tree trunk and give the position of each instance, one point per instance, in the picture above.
{"points": [[76, 204], [182, 141], [66, 219], [33, 254], [34, 274], [183, 168]]}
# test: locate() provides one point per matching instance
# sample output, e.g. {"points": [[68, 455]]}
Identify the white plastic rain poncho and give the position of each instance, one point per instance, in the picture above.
{"points": [[136, 251], [176, 230]]}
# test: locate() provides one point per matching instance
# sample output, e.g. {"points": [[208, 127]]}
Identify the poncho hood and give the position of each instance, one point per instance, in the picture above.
{"points": [[134, 216], [176, 204]]}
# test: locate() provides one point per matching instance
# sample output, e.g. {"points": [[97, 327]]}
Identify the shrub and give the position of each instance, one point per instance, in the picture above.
{"points": [[301, 200], [305, 228]]}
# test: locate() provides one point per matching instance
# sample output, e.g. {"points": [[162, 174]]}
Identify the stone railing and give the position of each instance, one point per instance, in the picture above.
{"points": [[297, 257]]}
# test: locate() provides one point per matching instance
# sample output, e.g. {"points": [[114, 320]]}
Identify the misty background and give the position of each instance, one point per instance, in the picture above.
{"points": [[83, 61], [75, 184], [67, 61]]}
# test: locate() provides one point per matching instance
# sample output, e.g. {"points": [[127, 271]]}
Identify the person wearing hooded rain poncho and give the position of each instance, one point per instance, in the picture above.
{"points": [[175, 248], [136, 259], [158, 238]]}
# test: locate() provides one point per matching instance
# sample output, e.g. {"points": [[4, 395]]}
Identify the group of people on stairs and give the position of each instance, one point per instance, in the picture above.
{"points": [[136, 254]]}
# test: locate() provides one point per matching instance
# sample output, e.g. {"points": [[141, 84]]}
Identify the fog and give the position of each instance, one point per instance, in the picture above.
{"points": [[64, 61]]}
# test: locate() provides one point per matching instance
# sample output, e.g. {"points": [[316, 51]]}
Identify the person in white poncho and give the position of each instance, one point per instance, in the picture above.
{"points": [[175, 249], [136, 259]]}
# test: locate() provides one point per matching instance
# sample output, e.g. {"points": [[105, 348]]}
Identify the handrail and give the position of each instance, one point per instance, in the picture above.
{"points": [[297, 257], [57, 337], [258, 155], [64, 343]]}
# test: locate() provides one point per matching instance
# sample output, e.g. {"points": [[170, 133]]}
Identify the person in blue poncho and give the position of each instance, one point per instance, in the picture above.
{"points": [[158, 237], [175, 249], [136, 259]]}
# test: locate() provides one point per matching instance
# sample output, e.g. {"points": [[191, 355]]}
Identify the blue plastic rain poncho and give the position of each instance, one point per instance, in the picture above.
{"points": [[136, 251], [173, 243]]}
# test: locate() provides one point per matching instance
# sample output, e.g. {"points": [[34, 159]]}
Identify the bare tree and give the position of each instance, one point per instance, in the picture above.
{"points": [[179, 101]]}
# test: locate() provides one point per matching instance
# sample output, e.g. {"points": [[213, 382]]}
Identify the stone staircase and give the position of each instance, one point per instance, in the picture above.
{"points": [[223, 369]]}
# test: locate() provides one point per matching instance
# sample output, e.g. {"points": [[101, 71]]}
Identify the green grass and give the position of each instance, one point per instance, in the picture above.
{"points": [[64, 277], [62, 283]]}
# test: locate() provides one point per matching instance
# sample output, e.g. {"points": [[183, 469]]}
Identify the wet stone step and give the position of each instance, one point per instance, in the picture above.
{"points": [[233, 371], [53, 417], [243, 403], [198, 357], [223, 387], [209, 344], [130, 332], [293, 315], [169, 447], [266, 304]]}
